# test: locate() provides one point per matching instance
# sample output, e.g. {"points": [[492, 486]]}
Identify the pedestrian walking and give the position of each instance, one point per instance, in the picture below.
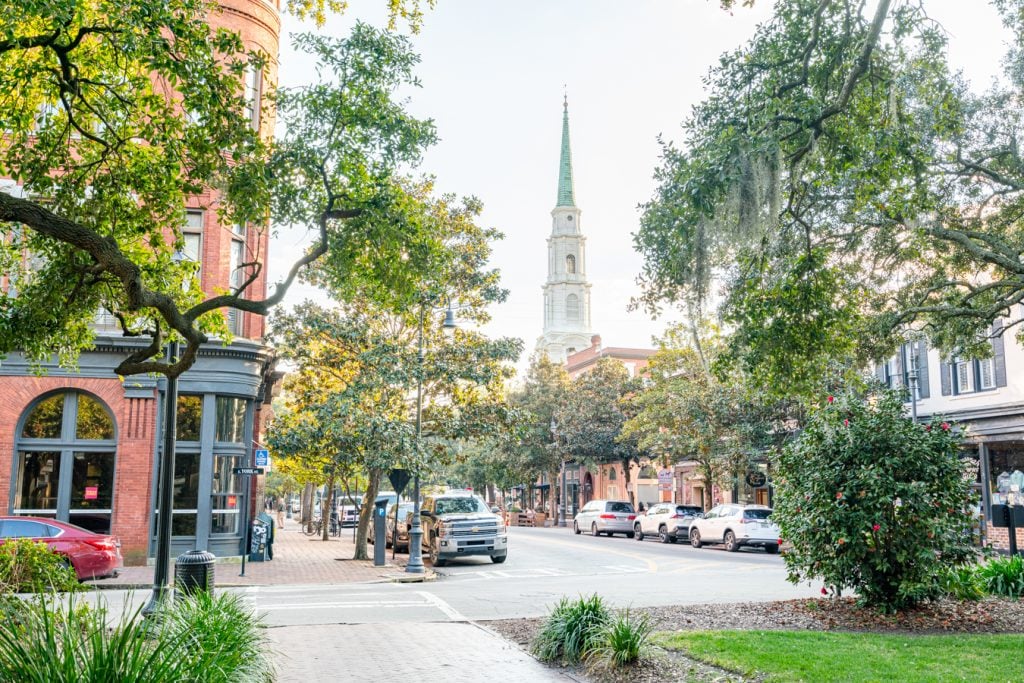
{"points": [[280, 512]]}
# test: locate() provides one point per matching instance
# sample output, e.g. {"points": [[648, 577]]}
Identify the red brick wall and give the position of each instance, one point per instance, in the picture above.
{"points": [[999, 537], [136, 425]]}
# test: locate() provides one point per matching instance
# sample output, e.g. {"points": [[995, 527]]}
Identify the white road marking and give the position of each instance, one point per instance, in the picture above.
{"points": [[346, 605], [450, 611]]}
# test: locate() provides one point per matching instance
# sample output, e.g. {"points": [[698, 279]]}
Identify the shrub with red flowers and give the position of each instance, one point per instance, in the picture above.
{"points": [[873, 502]]}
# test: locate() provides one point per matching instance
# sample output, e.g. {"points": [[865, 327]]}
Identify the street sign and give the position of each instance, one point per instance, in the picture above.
{"points": [[262, 457], [399, 479], [247, 470]]}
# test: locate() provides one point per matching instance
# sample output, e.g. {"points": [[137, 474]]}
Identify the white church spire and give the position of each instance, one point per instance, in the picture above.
{"points": [[566, 292]]}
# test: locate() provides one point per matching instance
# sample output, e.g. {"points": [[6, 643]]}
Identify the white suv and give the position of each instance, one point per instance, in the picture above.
{"points": [[669, 521], [736, 525]]}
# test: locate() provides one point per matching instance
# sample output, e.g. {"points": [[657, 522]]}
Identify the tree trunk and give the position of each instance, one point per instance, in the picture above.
{"points": [[553, 499], [626, 477], [326, 505], [369, 503]]}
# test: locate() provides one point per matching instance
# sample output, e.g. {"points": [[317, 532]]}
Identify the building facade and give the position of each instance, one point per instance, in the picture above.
{"points": [[566, 290], [83, 446], [985, 397]]}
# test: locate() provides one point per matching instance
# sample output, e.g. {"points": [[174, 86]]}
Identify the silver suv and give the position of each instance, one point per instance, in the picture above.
{"points": [[458, 524]]}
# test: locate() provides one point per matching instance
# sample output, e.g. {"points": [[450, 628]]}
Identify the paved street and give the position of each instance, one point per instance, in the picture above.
{"points": [[319, 629]]}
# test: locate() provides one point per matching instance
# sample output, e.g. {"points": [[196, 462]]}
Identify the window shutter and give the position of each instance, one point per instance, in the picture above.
{"points": [[944, 376], [921, 349], [998, 353], [898, 369], [880, 372]]}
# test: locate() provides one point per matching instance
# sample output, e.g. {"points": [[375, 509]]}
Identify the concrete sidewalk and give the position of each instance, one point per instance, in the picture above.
{"points": [[298, 559], [438, 651]]}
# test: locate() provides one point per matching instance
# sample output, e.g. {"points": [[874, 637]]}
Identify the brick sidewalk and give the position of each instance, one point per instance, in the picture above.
{"points": [[298, 559]]}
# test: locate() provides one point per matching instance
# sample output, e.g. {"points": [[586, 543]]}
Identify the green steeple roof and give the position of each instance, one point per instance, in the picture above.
{"points": [[565, 192]]}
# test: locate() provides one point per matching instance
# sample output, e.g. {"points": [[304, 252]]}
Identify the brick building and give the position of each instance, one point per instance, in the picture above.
{"points": [[83, 446]]}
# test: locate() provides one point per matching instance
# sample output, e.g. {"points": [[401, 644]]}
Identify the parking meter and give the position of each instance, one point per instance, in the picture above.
{"points": [[380, 511]]}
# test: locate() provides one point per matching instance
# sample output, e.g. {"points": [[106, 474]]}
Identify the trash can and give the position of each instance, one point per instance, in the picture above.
{"points": [[193, 573], [259, 541]]}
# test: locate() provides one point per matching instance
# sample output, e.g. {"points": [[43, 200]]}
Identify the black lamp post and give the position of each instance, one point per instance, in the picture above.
{"points": [[165, 491], [415, 565]]}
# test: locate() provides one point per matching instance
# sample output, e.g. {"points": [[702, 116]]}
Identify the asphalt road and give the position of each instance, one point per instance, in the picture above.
{"points": [[543, 565]]}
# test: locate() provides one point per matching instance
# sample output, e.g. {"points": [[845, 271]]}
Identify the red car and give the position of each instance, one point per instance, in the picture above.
{"points": [[93, 556]]}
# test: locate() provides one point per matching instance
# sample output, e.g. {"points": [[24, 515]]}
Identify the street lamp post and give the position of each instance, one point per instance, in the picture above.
{"points": [[165, 490], [415, 565]]}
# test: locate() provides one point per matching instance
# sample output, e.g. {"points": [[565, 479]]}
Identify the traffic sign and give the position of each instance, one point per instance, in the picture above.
{"points": [[247, 470], [262, 457], [399, 479]]}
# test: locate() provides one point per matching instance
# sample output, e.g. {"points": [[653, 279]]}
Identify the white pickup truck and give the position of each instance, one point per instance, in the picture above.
{"points": [[459, 524]]}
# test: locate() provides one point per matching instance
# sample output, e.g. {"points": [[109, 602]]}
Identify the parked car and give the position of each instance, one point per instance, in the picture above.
{"points": [[91, 555], [460, 523], [606, 517], [670, 522], [736, 525], [399, 533], [348, 511], [295, 505]]}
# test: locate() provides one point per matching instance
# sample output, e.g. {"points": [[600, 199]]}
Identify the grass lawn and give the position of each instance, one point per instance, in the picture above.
{"points": [[848, 657]]}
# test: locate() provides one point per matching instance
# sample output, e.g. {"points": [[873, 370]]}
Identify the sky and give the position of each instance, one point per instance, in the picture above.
{"points": [[493, 76]]}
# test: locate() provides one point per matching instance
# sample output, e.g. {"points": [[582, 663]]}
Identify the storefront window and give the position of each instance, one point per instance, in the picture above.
{"points": [[93, 421], [45, 420], [190, 417], [230, 419], [186, 494], [1006, 472], [39, 479], [50, 445], [225, 499]]}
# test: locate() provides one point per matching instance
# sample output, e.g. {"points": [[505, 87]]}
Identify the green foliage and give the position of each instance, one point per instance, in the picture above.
{"points": [[110, 132], [1004, 576], [28, 566], [221, 636], [872, 501], [574, 629], [691, 412], [831, 184], [624, 640], [539, 399], [962, 582], [216, 638], [589, 421]]}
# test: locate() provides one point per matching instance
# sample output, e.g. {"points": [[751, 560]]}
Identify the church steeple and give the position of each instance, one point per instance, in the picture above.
{"points": [[565, 189], [566, 291]]}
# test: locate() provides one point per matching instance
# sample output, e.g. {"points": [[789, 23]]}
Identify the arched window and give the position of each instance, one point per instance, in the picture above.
{"points": [[65, 461], [570, 264], [572, 307], [612, 474]]}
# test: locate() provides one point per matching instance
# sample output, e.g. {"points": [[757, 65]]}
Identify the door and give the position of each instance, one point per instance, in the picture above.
{"points": [[654, 519]]}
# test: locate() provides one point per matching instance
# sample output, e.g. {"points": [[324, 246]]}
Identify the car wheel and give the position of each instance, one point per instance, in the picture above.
{"points": [[663, 533], [638, 533], [498, 559], [576, 528], [593, 529], [629, 534], [435, 553], [730, 542], [771, 549], [694, 538]]}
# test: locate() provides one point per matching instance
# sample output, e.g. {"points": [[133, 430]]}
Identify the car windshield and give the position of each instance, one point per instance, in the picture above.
{"points": [[685, 510], [460, 506], [756, 514], [619, 507]]}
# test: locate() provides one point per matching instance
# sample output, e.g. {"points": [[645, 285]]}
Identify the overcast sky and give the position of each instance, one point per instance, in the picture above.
{"points": [[493, 75]]}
